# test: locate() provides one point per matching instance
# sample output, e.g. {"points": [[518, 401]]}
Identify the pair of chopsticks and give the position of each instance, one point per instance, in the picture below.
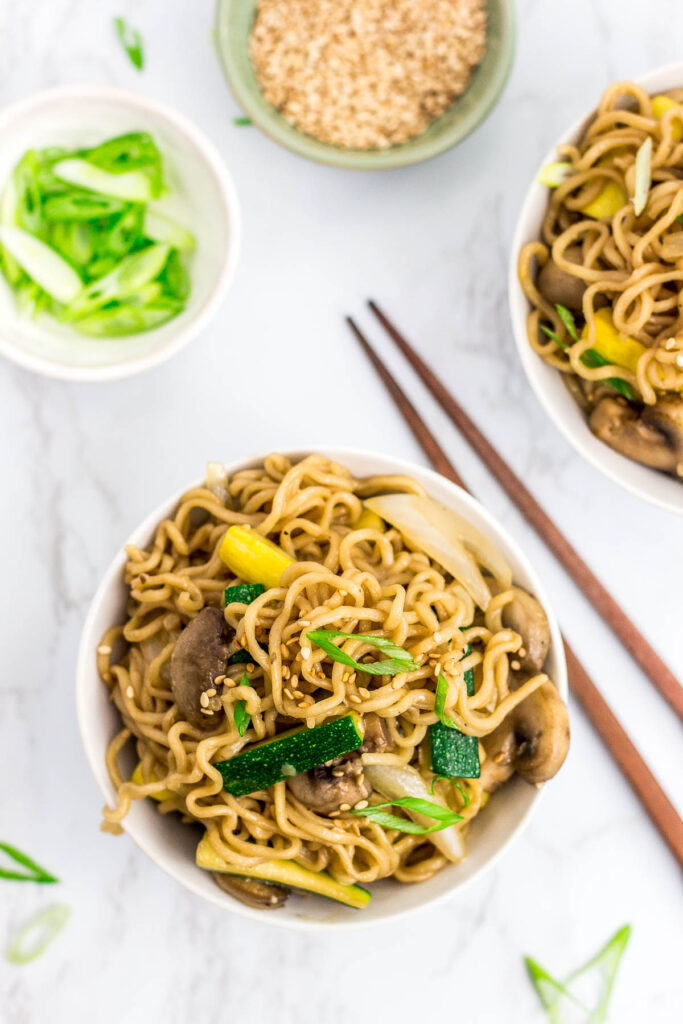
{"points": [[652, 797]]}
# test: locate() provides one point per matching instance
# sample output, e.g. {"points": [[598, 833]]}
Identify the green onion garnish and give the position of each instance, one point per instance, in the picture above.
{"points": [[131, 41], [441, 815], [398, 660], [552, 993], [35, 872], [242, 121], [242, 716], [568, 320], [440, 702], [461, 789], [591, 357], [47, 926]]}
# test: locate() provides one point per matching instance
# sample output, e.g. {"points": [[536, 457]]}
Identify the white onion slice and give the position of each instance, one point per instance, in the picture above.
{"points": [[643, 176], [42, 264], [394, 782], [447, 538], [217, 480]]}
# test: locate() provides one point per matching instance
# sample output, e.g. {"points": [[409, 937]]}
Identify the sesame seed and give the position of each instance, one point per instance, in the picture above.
{"points": [[204, 700], [344, 807], [515, 665], [288, 693], [679, 360], [338, 773], [130, 692], [669, 344], [355, 699], [104, 649], [306, 704], [437, 638], [333, 814], [522, 652], [363, 692], [305, 653], [437, 668], [250, 668], [211, 692], [284, 650], [107, 677], [285, 671], [231, 682], [304, 622], [206, 711], [361, 805], [218, 680], [299, 694]]}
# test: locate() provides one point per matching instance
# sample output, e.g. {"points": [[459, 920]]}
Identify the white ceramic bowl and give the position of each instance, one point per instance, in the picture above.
{"points": [[172, 845], [200, 188], [647, 483]]}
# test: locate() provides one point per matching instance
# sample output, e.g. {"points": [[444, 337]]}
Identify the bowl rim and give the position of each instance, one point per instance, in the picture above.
{"points": [[231, 248], [609, 463], [112, 578], [378, 159]]}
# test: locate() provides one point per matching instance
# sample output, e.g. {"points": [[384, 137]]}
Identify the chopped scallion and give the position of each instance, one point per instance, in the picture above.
{"points": [[442, 816], [43, 930], [131, 41], [398, 660]]}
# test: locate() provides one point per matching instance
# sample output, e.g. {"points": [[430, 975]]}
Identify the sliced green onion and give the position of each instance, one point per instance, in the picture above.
{"points": [[175, 277], [398, 661], [440, 702], [592, 358], [127, 277], [461, 789], [8, 216], [81, 206], [643, 176], [242, 122], [35, 872], [129, 152], [551, 992], [42, 264], [242, 716], [29, 214], [160, 228], [568, 320], [131, 41], [441, 815], [74, 240], [551, 334], [46, 926], [122, 320], [135, 186], [554, 174]]}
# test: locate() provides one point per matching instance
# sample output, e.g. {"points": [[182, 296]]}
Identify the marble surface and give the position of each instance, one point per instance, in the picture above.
{"points": [[81, 465]]}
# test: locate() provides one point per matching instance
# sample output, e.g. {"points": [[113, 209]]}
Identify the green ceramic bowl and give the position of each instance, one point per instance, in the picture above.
{"points": [[233, 25]]}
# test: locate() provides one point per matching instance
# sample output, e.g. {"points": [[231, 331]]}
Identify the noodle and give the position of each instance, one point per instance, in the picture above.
{"points": [[629, 265], [355, 580]]}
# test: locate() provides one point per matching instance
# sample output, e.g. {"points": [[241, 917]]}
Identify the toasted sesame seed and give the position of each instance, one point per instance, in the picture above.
{"points": [[285, 671], [679, 360], [364, 692], [437, 668], [204, 700], [305, 653], [288, 693], [333, 814], [218, 680], [361, 805], [669, 344], [130, 692], [250, 668], [107, 677], [231, 682], [437, 638], [299, 694], [522, 652], [355, 699], [515, 665], [206, 711], [344, 807], [243, 641], [104, 649], [338, 773], [211, 692], [304, 704], [284, 650]]}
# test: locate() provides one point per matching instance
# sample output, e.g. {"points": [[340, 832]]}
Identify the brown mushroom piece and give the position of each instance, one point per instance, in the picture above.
{"points": [[533, 740], [252, 891], [525, 615], [558, 286], [377, 738], [199, 656], [329, 787], [652, 436]]}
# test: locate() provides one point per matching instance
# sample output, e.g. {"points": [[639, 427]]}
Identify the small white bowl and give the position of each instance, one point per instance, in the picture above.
{"points": [[200, 189], [647, 483], [172, 845]]}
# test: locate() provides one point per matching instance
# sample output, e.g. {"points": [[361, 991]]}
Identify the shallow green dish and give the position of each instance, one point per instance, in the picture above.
{"points": [[233, 25]]}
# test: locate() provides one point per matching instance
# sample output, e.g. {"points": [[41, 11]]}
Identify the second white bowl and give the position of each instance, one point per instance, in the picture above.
{"points": [[547, 383], [200, 187], [171, 845]]}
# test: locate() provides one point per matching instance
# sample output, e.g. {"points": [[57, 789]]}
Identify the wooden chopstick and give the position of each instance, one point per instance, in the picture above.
{"points": [[633, 640], [652, 797]]}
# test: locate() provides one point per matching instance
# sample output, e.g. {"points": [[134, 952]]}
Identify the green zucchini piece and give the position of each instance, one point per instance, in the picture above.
{"points": [[286, 872], [245, 593], [240, 658], [291, 753], [453, 753]]}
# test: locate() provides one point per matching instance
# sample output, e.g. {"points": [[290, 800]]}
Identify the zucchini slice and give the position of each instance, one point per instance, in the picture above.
{"points": [[286, 872], [245, 593], [291, 753], [453, 753]]}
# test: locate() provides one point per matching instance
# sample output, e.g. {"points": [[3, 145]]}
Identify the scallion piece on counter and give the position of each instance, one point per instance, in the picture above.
{"points": [[442, 817], [83, 239], [43, 930], [600, 971], [34, 873], [131, 41], [398, 660], [242, 122]]}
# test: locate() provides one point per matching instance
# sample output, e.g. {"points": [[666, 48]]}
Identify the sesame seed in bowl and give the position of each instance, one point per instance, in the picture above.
{"points": [[366, 85]]}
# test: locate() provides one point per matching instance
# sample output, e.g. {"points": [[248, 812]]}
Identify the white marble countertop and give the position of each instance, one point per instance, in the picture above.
{"points": [[81, 465]]}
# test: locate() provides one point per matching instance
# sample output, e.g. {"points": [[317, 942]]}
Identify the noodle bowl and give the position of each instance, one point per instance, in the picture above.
{"points": [[362, 581]]}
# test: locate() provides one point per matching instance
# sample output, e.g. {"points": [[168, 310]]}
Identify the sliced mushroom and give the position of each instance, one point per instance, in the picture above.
{"points": [[533, 740], [653, 436], [200, 654], [253, 892], [559, 286], [329, 787], [526, 616], [377, 737]]}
